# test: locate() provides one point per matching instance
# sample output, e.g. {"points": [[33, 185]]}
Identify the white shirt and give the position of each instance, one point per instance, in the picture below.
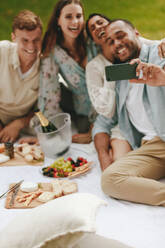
{"points": [[17, 94], [137, 113], [101, 92], [27, 73]]}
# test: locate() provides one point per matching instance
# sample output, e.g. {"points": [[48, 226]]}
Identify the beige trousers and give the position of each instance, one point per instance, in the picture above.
{"points": [[133, 177]]}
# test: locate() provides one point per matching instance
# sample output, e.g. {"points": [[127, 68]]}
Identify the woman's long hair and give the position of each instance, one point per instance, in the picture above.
{"points": [[54, 35]]}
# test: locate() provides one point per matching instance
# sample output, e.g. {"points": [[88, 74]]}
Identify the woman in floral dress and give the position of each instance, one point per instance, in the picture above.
{"points": [[66, 51]]}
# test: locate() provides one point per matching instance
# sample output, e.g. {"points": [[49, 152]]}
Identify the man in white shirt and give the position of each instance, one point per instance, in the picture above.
{"points": [[19, 70]]}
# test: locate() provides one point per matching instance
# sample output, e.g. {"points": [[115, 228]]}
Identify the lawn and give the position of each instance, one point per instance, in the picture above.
{"points": [[147, 15]]}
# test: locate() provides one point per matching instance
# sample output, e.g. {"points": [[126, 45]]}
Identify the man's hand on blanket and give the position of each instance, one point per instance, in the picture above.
{"points": [[11, 131]]}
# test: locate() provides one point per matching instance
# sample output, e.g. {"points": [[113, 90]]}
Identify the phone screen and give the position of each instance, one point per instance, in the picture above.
{"points": [[120, 72]]}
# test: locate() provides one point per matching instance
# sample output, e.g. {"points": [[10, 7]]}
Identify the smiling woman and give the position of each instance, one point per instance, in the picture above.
{"points": [[66, 50]]}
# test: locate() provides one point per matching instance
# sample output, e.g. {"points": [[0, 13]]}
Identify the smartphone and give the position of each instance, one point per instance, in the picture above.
{"points": [[120, 71]]}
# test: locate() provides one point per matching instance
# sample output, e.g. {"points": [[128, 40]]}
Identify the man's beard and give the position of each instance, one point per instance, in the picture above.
{"points": [[134, 54]]}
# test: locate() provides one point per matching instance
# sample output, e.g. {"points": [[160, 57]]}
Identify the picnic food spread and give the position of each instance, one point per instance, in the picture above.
{"points": [[67, 167], [31, 153], [4, 158], [22, 154], [31, 194], [28, 186]]}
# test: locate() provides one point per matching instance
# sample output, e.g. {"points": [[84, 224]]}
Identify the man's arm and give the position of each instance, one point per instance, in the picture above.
{"points": [[11, 131], [161, 46]]}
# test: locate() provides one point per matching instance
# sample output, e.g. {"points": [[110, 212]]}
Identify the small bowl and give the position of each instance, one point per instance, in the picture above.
{"points": [[56, 143]]}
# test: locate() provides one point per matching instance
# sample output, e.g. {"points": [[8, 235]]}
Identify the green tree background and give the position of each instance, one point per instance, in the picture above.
{"points": [[147, 15]]}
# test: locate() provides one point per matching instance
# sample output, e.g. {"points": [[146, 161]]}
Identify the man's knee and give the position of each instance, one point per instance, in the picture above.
{"points": [[111, 181]]}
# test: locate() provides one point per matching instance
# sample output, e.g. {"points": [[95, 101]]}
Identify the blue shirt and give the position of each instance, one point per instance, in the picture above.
{"points": [[153, 100]]}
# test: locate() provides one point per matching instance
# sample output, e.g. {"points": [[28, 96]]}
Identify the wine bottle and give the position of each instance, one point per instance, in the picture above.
{"points": [[46, 125]]}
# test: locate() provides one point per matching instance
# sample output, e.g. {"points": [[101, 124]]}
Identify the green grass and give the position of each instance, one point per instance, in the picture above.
{"points": [[147, 15]]}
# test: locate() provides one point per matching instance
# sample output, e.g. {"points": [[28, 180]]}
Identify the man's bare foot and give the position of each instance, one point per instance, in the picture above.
{"points": [[83, 138]]}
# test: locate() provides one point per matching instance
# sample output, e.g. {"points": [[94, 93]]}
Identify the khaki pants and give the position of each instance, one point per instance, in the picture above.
{"points": [[133, 177]]}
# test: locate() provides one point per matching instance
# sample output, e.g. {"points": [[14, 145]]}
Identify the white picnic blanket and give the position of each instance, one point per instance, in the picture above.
{"points": [[136, 225]]}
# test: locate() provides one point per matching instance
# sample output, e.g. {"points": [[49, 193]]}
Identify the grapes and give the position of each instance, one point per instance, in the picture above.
{"points": [[61, 167]]}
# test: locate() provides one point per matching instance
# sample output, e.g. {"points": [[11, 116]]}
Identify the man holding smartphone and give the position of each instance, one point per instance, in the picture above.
{"points": [[141, 118]]}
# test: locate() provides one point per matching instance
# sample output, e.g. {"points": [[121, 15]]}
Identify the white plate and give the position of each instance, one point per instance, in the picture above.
{"points": [[74, 152]]}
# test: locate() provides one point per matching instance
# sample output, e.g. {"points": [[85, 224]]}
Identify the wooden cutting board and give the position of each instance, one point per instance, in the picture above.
{"points": [[19, 160], [12, 203]]}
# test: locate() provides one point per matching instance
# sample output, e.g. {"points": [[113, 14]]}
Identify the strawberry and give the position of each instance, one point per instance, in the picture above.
{"points": [[56, 174], [66, 174]]}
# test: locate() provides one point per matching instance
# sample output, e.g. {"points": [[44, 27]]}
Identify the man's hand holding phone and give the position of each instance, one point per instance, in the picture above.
{"points": [[123, 71], [136, 72], [150, 74]]}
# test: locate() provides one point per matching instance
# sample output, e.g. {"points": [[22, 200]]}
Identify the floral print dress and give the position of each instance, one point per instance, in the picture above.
{"points": [[74, 75]]}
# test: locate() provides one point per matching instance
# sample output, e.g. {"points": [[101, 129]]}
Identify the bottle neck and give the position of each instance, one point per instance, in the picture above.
{"points": [[44, 122]]}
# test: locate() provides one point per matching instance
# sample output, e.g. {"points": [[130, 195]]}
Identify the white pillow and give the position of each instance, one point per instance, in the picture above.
{"points": [[92, 240], [70, 214]]}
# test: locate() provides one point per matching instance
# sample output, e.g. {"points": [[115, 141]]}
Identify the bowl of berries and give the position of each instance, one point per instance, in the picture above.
{"points": [[68, 167]]}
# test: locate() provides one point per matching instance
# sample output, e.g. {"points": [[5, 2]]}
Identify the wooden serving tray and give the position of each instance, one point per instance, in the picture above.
{"points": [[19, 160], [34, 203]]}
